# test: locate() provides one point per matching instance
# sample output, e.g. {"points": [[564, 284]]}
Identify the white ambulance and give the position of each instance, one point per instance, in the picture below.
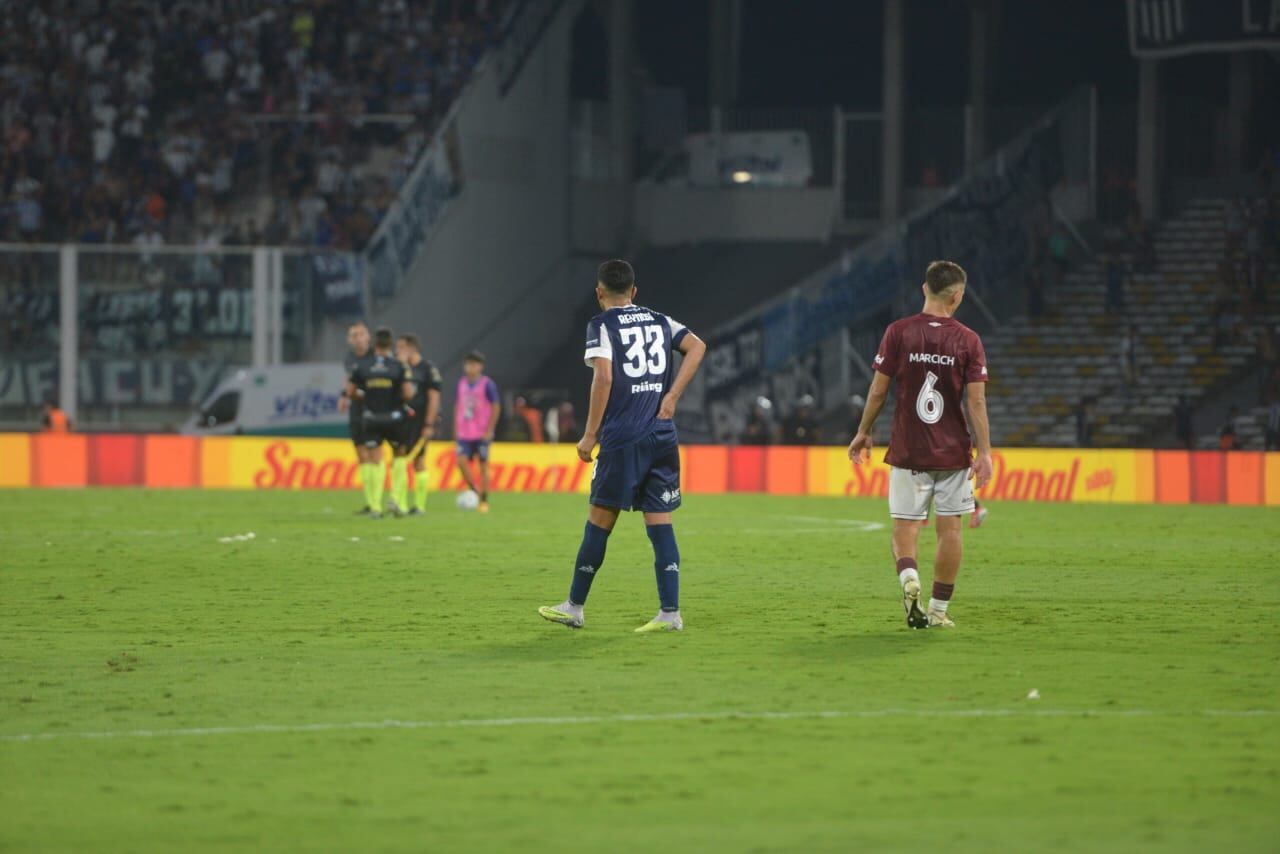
{"points": [[282, 400]]}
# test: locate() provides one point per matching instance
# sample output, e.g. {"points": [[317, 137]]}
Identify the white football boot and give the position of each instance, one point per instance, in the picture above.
{"points": [[566, 614], [940, 620]]}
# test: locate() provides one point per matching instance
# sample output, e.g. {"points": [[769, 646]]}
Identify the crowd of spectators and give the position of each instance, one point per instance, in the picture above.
{"points": [[800, 426], [539, 416], [145, 121]]}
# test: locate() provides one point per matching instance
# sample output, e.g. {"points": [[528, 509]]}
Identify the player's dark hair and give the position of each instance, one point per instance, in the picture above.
{"points": [[412, 340], [383, 339], [616, 276], [475, 356], [940, 275]]}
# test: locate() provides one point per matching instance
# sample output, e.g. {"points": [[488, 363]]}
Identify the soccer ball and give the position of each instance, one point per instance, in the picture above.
{"points": [[468, 500]]}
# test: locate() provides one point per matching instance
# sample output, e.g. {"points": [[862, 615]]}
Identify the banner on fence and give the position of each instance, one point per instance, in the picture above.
{"points": [[1055, 475], [162, 381], [339, 278]]}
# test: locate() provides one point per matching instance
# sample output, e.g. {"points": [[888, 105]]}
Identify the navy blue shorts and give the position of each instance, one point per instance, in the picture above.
{"points": [[643, 476], [473, 449]]}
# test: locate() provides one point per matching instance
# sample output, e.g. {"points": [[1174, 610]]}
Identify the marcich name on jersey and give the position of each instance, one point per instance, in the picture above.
{"points": [[931, 358]]}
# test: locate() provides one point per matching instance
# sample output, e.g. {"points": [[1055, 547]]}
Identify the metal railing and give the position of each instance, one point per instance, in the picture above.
{"points": [[137, 336]]}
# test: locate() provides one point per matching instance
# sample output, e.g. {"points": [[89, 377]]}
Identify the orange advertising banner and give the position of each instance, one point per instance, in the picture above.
{"points": [[273, 463], [1020, 474]]}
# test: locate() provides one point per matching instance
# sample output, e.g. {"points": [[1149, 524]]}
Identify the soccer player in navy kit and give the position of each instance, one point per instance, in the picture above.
{"points": [[938, 363], [633, 400]]}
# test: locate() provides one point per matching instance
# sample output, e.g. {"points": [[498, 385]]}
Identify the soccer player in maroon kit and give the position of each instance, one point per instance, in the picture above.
{"points": [[937, 361]]}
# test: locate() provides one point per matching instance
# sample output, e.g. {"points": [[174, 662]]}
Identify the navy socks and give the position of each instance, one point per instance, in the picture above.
{"points": [[590, 559], [666, 565]]}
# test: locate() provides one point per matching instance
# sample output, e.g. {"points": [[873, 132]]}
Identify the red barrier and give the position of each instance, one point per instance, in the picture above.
{"points": [[115, 460], [1208, 477], [746, 469]]}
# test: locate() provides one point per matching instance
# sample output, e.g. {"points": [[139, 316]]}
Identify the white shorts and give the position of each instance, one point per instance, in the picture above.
{"points": [[910, 493]]}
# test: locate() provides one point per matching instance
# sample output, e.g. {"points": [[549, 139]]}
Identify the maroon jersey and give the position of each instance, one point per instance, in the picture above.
{"points": [[931, 358]]}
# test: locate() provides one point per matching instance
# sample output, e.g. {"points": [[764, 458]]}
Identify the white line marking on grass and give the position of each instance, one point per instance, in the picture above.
{"points": [[461, 723], [860, 525]]}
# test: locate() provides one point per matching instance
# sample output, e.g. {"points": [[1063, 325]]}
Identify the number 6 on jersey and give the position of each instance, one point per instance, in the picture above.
{"points": [[929, 401]]}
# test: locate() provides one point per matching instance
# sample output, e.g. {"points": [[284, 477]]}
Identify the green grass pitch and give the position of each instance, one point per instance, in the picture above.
{"points": [[225, 680]]}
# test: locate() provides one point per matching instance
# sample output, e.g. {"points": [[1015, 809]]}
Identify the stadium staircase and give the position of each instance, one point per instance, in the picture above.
{"points": [[1042, 368]]}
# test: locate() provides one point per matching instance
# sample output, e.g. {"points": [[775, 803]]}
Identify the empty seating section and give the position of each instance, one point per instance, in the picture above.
{"points": [[1042, 369]]}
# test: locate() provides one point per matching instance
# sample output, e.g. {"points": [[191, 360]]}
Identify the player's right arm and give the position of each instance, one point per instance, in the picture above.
{"points": [[344, 399], [976, 396], [886, 365], [601, 386], [876, 397]]}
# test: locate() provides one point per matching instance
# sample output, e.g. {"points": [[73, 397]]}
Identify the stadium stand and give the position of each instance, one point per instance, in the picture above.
{"points": [[223, 122], [1198, 328], [701, 286]]}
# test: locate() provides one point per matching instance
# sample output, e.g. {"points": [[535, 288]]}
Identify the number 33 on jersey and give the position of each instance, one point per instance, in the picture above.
{"points": [[638, 341]]}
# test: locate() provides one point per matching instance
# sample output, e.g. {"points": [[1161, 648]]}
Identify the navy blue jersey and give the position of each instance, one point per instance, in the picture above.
{"points": [[639, 342]]}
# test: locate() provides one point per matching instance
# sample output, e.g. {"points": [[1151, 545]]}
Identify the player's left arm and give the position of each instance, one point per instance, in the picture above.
{"points": [[495, 412], [693, 349], [344, 399]]}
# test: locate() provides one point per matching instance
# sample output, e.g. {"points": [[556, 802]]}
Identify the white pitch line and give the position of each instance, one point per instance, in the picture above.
{"points": [[254, 729]]}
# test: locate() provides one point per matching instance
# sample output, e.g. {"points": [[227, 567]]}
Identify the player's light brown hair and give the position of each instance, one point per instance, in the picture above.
{"points": [[359, 324], [943, 276], [411, 340]]}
